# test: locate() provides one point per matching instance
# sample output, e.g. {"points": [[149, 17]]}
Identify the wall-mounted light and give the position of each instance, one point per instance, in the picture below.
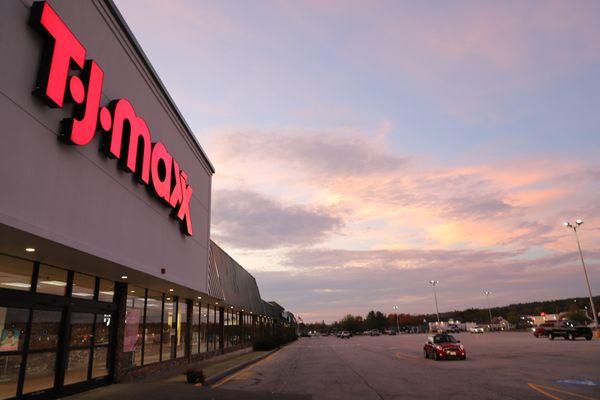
{"points": [[29, 249]]}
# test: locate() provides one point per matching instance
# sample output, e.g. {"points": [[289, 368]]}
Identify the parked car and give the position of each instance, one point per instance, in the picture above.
{"points": [[477, 329], [444, 347], [345, 335], [453, 328], [542, 329], [570, 330], [374, 332]]}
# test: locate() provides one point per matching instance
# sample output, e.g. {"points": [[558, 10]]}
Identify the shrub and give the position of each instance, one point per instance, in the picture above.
{"points": [[274, 341], [194, 376]]}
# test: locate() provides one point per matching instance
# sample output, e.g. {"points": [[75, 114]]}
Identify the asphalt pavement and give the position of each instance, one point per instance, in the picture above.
{"points": [[506, 365]]}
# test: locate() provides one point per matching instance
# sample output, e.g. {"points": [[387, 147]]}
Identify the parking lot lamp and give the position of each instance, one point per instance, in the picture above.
{"points": [[397, 320], [487, 294], [577, 224], [437, 311]]}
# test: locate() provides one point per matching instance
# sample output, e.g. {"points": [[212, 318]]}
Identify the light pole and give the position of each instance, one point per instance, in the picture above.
{"points": [[397, 320], [437, 312], [487, 294], [578, 223]]}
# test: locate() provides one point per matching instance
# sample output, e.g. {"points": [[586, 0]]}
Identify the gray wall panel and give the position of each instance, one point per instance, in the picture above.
{"points": [[75, 195]]}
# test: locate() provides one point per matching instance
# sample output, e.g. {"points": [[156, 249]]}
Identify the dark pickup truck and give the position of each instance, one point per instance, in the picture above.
{"points": [[569, 330]]}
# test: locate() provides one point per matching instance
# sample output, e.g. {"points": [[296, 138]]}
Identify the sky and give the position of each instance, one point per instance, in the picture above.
{"points": [[364, 148]]}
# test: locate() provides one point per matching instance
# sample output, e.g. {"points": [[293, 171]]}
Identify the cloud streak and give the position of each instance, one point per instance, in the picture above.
{"points": [[249, 220]]}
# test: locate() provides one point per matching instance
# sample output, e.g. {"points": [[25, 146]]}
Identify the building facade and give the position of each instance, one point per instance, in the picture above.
{"points": [[107, 271]]}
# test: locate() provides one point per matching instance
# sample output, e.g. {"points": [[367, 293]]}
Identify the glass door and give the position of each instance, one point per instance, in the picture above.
{"points": [[42, 346], [13, 329], [87, 358]]}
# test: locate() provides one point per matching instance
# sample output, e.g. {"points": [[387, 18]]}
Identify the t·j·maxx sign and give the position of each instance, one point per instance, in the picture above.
{"points": [[126, 136]]}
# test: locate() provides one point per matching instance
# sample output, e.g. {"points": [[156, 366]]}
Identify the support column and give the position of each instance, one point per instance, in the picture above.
{"points": [[118, 331]]}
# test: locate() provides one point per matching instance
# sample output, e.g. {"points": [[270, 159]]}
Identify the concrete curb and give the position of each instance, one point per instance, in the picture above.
{"points": [[211, 380]]}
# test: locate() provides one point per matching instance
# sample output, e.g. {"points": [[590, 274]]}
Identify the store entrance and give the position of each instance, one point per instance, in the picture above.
{"points": [[53, 346]]}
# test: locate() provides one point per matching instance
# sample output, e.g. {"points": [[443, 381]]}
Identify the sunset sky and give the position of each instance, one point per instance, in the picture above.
{"points": [[364, 148]]}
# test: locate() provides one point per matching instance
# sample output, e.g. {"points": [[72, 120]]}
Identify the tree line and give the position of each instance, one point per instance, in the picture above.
{"points": [[574, 307]]}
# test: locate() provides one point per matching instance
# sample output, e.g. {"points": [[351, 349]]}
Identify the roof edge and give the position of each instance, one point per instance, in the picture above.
{"points": [[140, 52]]}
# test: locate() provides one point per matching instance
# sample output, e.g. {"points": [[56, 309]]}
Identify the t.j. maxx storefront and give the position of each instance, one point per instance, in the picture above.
{"points": [[107, 270]]}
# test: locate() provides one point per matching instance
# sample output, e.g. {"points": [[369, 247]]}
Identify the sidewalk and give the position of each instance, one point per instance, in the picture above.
{"points": [[175, 386]]}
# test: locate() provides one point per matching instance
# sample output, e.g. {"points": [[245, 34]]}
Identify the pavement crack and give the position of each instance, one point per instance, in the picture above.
{"points": [[357, 374]]}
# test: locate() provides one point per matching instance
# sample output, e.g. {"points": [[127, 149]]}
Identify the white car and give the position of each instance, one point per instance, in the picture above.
{"points": [[476, 329], [345, 335]]}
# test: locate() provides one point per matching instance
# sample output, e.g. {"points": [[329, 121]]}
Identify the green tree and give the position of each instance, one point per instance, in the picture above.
{"points": [[512, 317], [371, 320], [350, 323], [577, 314], [380, 321]]}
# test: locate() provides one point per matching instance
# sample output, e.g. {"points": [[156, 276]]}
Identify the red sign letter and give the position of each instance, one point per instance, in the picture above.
{"points": [[160, 171], [61, 48], [184, 209], [139, 163], [81, 130]]}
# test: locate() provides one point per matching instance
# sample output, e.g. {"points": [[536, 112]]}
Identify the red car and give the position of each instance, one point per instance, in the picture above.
{"points": [[444, 347]]}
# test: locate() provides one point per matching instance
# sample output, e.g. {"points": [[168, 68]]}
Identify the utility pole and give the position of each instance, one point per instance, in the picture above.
{"points": [[487, 294], [437, 311], [577, 224]]}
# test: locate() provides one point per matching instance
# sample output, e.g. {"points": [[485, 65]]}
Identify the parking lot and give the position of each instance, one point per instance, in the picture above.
{"points": [[498, 366]]}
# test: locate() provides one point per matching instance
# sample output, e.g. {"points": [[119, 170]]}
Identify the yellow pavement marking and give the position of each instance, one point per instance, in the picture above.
{"points": [[554, 389], [406, 356]]}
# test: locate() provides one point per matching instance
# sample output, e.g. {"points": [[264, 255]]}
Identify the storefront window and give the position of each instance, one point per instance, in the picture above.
{"points": [[52, 280], [181, 327], [83, 286], [103, 324], [40, 371], [77, 366], [235, 329], [226, 328], [203, 328], [210, 326], [81, 329], [153, 327], [134, 319], [100, 361], [13, 323], [11, 365], [45, 328], [107, 290], [195, 340], [217, 327], [15, 274], [168, 332]]}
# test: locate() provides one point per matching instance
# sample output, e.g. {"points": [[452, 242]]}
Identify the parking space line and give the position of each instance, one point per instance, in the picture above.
{"points": [[540, 388], [534, 387], [406, 356]]}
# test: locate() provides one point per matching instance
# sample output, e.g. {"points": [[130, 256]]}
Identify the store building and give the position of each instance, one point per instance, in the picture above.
{"points": [[107, 270]]}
